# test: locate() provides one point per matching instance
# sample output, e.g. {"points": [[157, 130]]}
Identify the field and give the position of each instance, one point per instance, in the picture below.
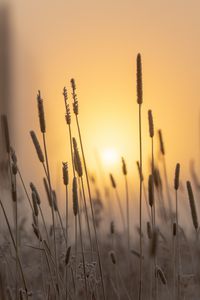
{"points": [[87, 251]]}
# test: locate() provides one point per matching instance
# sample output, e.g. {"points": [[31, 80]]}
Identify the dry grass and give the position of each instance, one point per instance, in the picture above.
{"points": [[62, 259]]}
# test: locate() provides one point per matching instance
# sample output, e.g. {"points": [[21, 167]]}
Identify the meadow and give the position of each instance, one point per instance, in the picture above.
{"points": [[86, 251]]}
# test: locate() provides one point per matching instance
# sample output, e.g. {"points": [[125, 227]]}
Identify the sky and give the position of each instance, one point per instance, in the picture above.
{"points": [[96, 42]]}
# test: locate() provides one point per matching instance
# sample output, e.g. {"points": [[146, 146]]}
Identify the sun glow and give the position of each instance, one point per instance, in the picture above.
{"points": [[110, 156]]}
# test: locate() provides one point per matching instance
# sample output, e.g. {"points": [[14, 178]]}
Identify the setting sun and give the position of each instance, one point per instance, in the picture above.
{"points": [[110, 156]]}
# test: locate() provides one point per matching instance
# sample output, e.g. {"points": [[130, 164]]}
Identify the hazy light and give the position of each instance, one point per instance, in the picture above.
{"points": [[110, 156]]}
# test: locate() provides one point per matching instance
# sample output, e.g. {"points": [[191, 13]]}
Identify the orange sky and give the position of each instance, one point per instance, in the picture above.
{"points": [[96, 42]]}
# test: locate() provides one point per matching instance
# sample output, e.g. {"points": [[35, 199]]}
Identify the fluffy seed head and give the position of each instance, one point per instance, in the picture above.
{"points": [[176, 178], [65, 173], [161, 275], [162, 148], [14, 168], [41, 113], [34, 189], [149, 230], [37, 146], [151, 190], [67, 257], [174, 229], [35, 207], [151, 127], [157, 179], [113, 181], [55, 201], [13, 155], [192, 205], [112, 227], [139, 80], [139, 171], [75, 196], [49, 198], [124, 168], [113, 257], [74, 96], [77, 159], [68, 114], [4, 123], [37, 232]]}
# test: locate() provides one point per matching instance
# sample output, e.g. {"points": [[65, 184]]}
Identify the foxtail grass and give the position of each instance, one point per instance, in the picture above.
{"points": [[76, 112], [140, 101]]}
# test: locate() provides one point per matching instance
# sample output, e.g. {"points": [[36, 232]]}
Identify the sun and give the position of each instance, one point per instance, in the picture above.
{"points": [[110, 156]]}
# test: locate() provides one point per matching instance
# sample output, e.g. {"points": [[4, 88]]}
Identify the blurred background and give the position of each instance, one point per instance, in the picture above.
{"points": [[43, 44]]}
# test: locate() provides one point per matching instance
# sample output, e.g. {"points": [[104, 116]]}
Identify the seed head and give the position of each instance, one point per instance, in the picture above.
{"points": [[124, 168], [176, 179], [37, 146], [192, 205], [75, 196], [151, 190], [74, 96], [65, 173], [113, 181], [41, 113], [139, 80], [151, 127]]}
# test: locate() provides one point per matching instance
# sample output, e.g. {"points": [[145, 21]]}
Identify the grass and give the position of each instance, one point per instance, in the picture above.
{"points": [[70, 255]]}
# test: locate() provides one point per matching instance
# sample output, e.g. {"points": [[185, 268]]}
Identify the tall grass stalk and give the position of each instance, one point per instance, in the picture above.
{"points": [[139, 101], [114, 185], [151, 134], [77, 212], [75, 108], [47, 170], [124, 171], [141, 177], [162, 151], [176, 236], [79, 170]]}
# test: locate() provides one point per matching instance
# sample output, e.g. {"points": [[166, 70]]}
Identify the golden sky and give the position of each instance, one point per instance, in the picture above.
{"points": [[96, 42]]}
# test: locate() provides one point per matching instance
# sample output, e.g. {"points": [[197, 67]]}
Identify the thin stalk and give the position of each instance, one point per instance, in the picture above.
{"points": [[154, 214], [44, 223], [120, 209], [92, 210], [140, 209], [62, 227], [178, 245], [16, 237], [76, 252], [83, 256], [87, 218], [174, 267], [52, 209], [147, 204], [24, 187], [66, 220], [167, 187], [127, 213]]}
